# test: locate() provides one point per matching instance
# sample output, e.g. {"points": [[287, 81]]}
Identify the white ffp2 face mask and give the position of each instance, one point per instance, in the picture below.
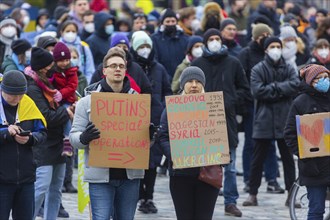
{"points": [[9, 31], [324, 52], [275, 54], [70, 37], [289, 50], [214, 46], [144, 52], [197, 52], [90, 27]]}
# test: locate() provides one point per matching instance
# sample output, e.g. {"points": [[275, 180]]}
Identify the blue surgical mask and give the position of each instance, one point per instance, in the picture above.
{"points": [[322, 85], [109, 29], [74, 62]]}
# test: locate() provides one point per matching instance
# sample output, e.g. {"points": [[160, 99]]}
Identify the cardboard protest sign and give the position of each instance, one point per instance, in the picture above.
{"points": [[313, 131], [197, 130], [124, 121]]}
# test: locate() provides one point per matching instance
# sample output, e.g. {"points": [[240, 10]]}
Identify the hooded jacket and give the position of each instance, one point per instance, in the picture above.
{"points": [[312, 171], [225, 73], [99, 41]]}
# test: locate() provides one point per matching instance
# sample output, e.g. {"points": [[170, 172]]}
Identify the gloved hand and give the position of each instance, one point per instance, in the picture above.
{"points": [[58, 96], [91, 133]]}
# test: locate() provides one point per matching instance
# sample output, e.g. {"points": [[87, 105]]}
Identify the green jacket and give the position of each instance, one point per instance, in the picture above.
{"points": [[8, 64], [176, 78]]}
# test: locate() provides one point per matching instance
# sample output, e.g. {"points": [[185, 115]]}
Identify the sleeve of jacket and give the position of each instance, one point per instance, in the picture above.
{"points": [[241, 84], [164, 138], [243, 57], [89, 66], [260, 90], [289, 87], [166, 86], [39, 133], [71, 86], [290, 130], [154, 39], [176, 79], [53, 117], [80, 121], [5, 136]]}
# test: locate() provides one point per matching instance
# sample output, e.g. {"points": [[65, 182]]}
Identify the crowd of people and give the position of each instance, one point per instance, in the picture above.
{"points": [[271, 60]]}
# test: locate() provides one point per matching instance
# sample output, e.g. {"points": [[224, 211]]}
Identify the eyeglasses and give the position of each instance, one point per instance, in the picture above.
{"points": [[114, 66]]}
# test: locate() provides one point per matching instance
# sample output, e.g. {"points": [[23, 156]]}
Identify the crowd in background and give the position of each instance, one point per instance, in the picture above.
{"points": [[269, 59]]}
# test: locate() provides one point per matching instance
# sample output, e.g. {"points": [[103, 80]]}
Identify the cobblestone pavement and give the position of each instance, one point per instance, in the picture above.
{"points": [[271, 206]]}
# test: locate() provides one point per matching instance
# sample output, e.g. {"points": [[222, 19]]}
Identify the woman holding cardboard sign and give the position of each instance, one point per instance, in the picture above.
{"points": [[192, 198], [314, 173]]}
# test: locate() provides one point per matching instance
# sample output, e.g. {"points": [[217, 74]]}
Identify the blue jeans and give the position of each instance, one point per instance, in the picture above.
{"points": [[117, 198], [48, 187], [68, 124], [19, 198], [270, 164], [316, 196], [230, 192]]}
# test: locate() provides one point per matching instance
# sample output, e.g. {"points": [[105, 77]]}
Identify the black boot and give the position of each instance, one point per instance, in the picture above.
{"points": [[62, 213], [69, 188]]}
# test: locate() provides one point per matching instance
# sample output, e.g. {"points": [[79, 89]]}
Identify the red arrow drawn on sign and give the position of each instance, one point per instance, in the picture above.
{"points": [[119, 157]]}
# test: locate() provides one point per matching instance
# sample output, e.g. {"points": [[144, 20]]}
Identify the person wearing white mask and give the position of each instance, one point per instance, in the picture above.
{"points": [[143, 54], [20, 58], [273, 85], [294, 51], [225, 73], [100, 39], [321, 53], [69, 36], [88, 24], [8, 33], [194, 50]]}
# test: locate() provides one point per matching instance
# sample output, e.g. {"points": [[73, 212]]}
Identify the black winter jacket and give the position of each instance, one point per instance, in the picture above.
{"points": [[312, 171], [225, 73], [273, 86], [16, 160], [50, 152]]}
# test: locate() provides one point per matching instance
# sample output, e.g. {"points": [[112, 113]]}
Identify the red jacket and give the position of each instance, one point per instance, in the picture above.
{"points": [[67, 83]]}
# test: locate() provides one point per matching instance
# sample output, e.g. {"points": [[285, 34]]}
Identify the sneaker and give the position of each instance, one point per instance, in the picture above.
{"points": [[232, 210], [151, 206], [62, 213], [274, 187], [67, 148], [251, 201], [143, 207]]}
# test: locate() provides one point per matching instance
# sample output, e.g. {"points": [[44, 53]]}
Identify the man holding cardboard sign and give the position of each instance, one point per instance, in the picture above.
{"points": [[314, 134], [112, 190]]}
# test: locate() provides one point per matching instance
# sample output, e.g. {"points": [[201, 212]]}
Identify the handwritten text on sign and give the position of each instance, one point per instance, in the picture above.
{"points": [[197, 130], [123, 120]]}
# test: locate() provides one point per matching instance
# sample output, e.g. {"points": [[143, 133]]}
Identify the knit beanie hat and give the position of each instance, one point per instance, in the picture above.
{"points": [[259, 29], [119, 38], [192, 40], [322, 11], [270, 40], [289, 17], [44, 42], [227, 21], [169, 13], [8, 21], [61, 52], [40, 58], [311, 71], [287, 31], [59, 11], [210, 32], [190, 73], [20, 46], [14, 83], [139, 38]]}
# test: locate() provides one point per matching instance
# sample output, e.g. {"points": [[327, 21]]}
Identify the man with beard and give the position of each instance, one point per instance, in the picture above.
{"points": [[169, 42]]}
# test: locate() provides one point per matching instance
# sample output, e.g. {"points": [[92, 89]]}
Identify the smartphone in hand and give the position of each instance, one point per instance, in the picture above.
{"points": [[24, 133]]}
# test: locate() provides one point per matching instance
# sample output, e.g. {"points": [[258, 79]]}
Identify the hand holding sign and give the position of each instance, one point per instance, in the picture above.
{"points": [[91, 133]]}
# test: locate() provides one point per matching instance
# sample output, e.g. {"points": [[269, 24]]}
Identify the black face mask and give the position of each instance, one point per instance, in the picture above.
{"points": [[212, 22], [170, 29]]}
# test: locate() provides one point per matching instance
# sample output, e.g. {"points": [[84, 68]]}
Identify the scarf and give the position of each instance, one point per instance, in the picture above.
{"points": [[321, 59], [185, 29], [46, 90]]}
